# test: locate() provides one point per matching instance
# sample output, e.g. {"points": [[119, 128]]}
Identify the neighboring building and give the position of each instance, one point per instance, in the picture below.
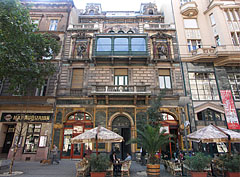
{"points": [[38, 106], [114, 64], [208, 35]]}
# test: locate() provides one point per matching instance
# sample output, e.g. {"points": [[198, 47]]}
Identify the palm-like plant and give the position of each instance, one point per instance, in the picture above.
{"points": [[152, 140]]}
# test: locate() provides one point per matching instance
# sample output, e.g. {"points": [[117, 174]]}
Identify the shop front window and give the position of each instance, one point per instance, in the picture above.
{"points": [[32, 138]]}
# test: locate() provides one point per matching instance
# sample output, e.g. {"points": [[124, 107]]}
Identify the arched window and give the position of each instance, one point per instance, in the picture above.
{"points": [[166, 116], [80, 116], [150, 12], [91, 12]]}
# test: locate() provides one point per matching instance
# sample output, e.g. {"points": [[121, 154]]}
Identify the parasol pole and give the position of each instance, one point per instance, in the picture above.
{"points": [[97, 140], [229, 138]]}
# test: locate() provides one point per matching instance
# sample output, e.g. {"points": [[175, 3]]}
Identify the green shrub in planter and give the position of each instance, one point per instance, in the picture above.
{"points": [[198, 162], [231, 163], [99, 163]]}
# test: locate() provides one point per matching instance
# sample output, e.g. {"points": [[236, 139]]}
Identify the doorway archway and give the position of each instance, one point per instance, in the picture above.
{"points": [[122, 124], [76, 124]]}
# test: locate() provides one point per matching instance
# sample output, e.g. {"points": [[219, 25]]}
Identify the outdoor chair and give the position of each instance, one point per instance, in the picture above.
{"points": [[82, 169], [125, 169]]}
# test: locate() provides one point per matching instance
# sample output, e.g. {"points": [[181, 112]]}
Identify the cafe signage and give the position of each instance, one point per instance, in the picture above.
{"points": [[29, 117]]}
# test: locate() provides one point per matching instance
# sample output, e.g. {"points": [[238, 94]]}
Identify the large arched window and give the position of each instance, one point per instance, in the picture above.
{"points": [[80, 116]]}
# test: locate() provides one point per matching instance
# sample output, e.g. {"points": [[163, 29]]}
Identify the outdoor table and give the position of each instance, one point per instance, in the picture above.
{"points": [[117, 167]]}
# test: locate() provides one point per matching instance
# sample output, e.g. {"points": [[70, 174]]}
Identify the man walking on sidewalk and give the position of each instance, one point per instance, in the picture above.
{"points": [[55, 153]]}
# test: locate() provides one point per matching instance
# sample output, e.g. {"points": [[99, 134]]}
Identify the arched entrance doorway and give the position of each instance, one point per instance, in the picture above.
{"points": [[171, 122], [76, 124], [122, 126]]}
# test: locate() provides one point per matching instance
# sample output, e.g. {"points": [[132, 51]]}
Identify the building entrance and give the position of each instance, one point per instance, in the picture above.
{"points": [[75, 125], [122, 126], [9, 138]]}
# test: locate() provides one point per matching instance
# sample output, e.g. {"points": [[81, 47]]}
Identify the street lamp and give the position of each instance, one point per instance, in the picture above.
{"points": [[183, 101]]}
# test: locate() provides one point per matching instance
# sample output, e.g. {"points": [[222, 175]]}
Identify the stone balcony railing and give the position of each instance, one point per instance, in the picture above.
{"points": [[121, 90], [154, 26], [206, 123], [189, 9], [83, 26]]}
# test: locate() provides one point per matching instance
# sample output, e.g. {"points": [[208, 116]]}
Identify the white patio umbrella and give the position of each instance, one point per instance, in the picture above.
{"points": [[97, 135], [214, 134]]}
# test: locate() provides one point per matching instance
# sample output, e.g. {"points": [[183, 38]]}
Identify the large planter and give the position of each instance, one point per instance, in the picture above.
{"points": [[198, 174], [232, 174], [153, 169], [98, 174]]}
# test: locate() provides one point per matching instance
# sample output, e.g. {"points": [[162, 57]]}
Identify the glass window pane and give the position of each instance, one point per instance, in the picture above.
{"points": [[104, 44], [126, 80], [161, 82], [121, 44], [168, 82], [191, 75], [138, 44], [121, 80]]}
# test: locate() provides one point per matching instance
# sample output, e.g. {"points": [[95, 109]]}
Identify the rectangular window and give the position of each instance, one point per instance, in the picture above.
{"points": [[164, 79], [203, 86], [194, 44], [234, 39], [138, 44], [190, 23], [234, 80], [32, 138], [104, 44], [121, 77], [212, 19], [53, 25], [77, 78], [121, 44], [42, 90]]}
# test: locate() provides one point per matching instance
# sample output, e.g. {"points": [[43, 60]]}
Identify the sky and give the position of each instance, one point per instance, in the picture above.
{"points": [[114, 5]]}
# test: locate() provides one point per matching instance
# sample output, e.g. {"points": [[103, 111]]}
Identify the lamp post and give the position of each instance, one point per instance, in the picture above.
{"points": [[183, 101]]}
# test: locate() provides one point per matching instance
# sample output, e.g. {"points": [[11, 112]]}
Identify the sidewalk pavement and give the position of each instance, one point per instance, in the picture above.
{"points": [[66, 168]]}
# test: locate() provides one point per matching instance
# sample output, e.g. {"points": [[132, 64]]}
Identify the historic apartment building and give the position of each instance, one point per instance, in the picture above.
{"points": [[37, 109], [114, 63], [209, 37]]}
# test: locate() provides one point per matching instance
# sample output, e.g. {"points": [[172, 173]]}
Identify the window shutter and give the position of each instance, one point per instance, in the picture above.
{"points": [[77, 78], [121, 72], [164, 72]]}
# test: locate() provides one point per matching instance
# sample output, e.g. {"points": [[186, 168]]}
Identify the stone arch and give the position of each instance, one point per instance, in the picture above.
{"points": [[120, 114], [165, 110]]}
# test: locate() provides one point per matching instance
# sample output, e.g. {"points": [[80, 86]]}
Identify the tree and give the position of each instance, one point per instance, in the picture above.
{"points": [[23, 49], [25, 53]]}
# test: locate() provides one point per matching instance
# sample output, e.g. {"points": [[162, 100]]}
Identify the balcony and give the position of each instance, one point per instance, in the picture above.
{"points": [[206, 123], [121, 90], [189, 9], [82, 26], [157, 26]]}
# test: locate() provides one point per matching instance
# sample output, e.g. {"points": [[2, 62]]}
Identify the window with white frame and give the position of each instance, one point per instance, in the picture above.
{"points": [[53, 25], [234, 80], [212, 19], [164, 79], [217, 39], [194, 44], [120, 76], [203, 86], [42, 91], [190, 23]]}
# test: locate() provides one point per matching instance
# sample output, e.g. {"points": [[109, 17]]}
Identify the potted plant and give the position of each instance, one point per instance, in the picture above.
{"points": [[152, 140], [99, 164], [231, 165], [197, 164]]}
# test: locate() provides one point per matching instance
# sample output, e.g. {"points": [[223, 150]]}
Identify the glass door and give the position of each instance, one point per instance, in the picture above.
{"points": [[66, 152], [77, 149]]}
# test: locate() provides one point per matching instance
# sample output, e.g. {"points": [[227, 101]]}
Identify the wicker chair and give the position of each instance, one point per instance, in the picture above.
{"points": [[125, 169], [110, 170], [82, 169]]}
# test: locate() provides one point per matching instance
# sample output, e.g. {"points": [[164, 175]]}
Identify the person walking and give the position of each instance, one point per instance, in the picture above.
{"points": [[55, 153]]}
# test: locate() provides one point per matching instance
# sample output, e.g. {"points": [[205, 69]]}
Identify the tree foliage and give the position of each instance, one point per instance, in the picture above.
{"points": [[23, 50]]}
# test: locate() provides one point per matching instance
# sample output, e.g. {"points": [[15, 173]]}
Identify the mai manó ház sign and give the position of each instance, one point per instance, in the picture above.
{"points": [[29, 117]]}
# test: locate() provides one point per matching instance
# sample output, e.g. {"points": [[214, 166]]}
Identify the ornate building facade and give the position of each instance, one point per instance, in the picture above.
{"points": [[208, 35], [38, 107], [114, 63]]}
